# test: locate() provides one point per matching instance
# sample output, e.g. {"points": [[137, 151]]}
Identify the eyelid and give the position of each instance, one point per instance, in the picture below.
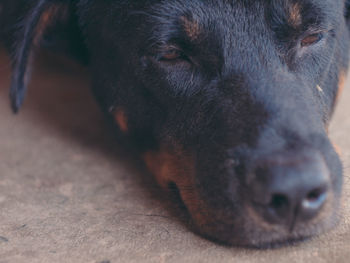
{"points": [[168, 48], [182, 56], [313, 38], [163, 50], [322, 33]]}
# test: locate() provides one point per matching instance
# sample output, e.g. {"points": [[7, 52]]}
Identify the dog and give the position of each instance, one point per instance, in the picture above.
{"points": [[226, 101]]}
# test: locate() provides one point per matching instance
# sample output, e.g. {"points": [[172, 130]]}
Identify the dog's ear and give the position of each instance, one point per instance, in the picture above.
{"points": [[40, 17]]}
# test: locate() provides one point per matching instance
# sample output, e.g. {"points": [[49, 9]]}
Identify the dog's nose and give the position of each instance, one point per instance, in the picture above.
{"points": [[290, 191]]}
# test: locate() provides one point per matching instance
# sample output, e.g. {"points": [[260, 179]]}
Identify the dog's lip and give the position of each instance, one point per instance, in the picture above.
{"points": [[265, 240]]}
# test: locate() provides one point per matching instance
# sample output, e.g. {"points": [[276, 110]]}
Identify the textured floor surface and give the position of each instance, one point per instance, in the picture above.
{"points": [[69, 194]]}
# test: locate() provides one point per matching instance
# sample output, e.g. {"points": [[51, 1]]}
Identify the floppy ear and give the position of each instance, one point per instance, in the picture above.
{"points": [[39, 18]]}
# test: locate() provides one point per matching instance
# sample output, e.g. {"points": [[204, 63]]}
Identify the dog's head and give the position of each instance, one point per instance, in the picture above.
{"points": [[229, 101]]}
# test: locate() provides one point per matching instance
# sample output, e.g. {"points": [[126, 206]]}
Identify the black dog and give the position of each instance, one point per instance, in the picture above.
{"points": [[227, 100]]}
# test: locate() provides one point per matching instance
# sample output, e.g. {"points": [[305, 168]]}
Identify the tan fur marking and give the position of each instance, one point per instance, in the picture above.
{"points": [[122, 120], [295, 18], [169, 165], [191, 27], [337, 149], [341, 85], [45, 21]]}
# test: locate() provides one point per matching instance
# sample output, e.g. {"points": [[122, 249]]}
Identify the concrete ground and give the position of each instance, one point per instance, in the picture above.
{"points": [[69, 194]]}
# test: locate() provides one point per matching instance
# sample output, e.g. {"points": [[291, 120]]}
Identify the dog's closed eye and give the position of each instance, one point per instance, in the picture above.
{"points": [[311, 39], [173, 55]]}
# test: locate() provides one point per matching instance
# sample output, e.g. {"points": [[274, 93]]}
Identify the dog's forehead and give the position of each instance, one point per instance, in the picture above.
{"points": [[207, 14], [240, 27], [231, 13]]}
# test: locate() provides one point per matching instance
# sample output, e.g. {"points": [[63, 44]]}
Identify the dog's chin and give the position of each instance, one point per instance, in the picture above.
{"points": [[255, 239], [246, 232]]}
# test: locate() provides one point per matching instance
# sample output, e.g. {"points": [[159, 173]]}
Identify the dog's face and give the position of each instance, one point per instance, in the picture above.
{"points": [[229, 101]]}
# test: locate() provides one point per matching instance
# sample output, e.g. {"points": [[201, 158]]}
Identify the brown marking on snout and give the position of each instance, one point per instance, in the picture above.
{"points": [[47, 18], [173, 165], [170, 165], [337, 149], [294, 16], [121, 120], [341, 84], [191, 27]]}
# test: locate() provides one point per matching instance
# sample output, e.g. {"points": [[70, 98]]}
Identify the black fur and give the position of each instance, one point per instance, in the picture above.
{"points": [[21, 59], [243, 88]]}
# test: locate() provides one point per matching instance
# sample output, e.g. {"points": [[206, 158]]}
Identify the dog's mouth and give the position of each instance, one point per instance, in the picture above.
{"points": [[286, 201], [243, 226]]}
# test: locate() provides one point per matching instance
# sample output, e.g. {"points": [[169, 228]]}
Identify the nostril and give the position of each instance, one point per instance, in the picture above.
{"points": [[277, 208], [315, 195], [279, 202], [313, 202]]}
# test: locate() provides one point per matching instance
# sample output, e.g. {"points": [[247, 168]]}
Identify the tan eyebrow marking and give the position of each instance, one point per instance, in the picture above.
{"points": [[47, 18], [122, 120], [295, 18], [191, 27]]}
